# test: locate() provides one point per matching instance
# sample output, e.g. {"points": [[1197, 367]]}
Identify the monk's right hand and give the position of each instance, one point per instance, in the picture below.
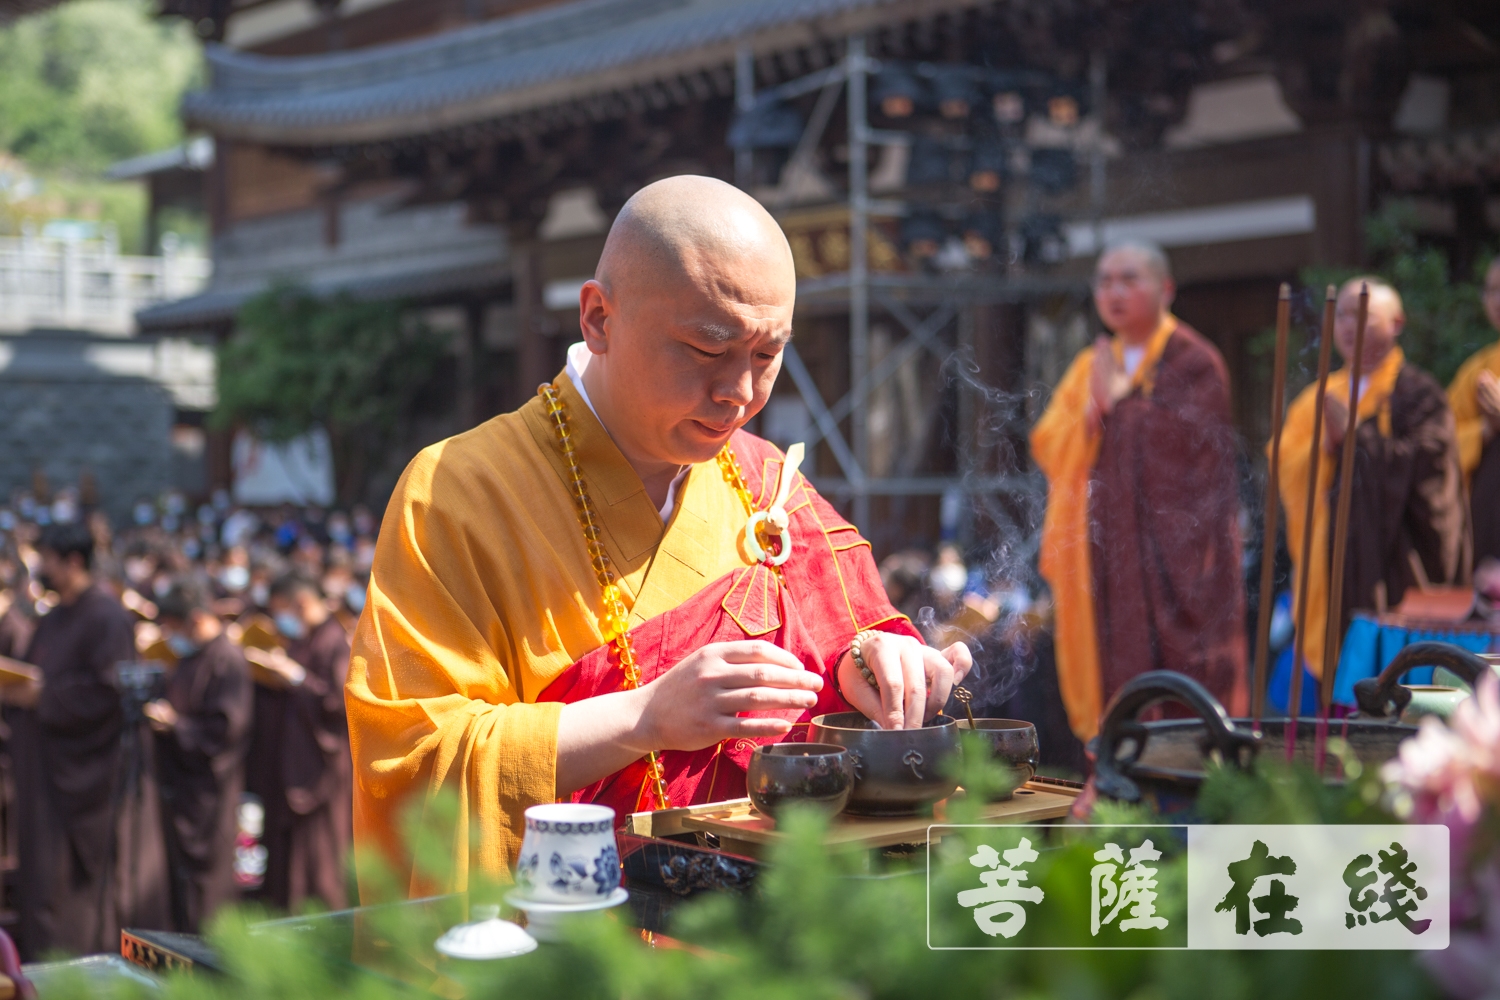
{"points": [[696, 703]]}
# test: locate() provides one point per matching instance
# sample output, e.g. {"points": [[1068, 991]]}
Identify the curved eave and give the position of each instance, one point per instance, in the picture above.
{"points": [[282, 101]]}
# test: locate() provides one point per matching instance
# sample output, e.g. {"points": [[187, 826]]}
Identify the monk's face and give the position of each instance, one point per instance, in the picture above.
{"points": [[1386, 319], [1130, 296], [1492, 294], [687, 353]]}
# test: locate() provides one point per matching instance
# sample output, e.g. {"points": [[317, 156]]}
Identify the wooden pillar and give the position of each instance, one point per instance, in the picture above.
{"points": [[218, 442], [532, 366]]}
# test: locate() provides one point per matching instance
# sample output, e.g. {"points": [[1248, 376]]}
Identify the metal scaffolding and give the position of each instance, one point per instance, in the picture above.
{"points": [[922, 305]]}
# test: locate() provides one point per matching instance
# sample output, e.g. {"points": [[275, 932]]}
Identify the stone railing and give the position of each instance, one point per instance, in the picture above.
{"points": [[88, 285]]}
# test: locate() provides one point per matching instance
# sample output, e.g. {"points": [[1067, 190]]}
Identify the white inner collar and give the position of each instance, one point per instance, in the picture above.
{"points": [[579, 356]]}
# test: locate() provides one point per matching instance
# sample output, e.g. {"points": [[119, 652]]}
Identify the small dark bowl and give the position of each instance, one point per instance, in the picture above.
{"points": [[820, 775], [1013, 744], [897, 772]]}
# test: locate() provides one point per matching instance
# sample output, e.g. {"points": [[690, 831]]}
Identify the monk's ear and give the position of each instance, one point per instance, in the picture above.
{"points": [[594, 310], [1168, 292]]}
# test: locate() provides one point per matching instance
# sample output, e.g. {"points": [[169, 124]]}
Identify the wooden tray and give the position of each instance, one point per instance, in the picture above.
{"points": [[743, 830]]}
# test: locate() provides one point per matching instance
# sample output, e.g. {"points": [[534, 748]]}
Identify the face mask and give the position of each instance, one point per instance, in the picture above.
{"points": [[355, 598], [181, 646], [289, 625], [950, 577], [260, 594], [234, 577]]}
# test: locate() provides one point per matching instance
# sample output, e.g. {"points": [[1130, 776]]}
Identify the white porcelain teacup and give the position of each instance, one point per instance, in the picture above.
{"points": [[569, 854]]}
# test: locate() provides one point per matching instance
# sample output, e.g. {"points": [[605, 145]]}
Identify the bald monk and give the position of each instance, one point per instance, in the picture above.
{"points": [[494, 661], [1141, 541], [1475, 398], [1407, 523]]}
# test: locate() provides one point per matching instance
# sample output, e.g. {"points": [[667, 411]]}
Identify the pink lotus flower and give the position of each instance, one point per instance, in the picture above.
{"points": [[1451, 774], [1452, 771]]}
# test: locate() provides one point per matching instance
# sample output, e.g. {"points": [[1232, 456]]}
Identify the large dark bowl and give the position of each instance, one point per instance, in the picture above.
{"points": [[820, 775], [897, 772], [1013, 745]]}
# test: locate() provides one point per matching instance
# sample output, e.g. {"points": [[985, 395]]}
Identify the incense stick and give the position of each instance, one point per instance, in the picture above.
{"points": [[1325, 347], [1272, 509], [1335, 634]]}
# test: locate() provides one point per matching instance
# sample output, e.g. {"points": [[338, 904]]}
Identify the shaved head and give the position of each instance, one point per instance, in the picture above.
{"points": [[1386, 319], [1382, 296], [692, 229], [685, 321], [1151, 256]]}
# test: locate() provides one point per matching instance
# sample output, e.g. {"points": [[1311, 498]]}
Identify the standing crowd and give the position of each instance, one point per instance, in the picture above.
{"points": [[1142, 540], [174, 734]]}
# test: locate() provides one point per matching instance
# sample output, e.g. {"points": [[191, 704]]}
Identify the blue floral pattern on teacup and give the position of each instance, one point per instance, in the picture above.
{"points": [[607, 870]]}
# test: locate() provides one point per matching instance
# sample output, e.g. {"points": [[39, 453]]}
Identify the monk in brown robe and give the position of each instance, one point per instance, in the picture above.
{"points": [[1475, 398], [15, 636], [1407, 522], [90, 847], [1141, 543], [202, 731], [299, 754]]}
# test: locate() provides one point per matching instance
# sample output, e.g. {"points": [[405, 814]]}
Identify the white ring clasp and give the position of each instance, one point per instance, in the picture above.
{"points": [[756, 551]]}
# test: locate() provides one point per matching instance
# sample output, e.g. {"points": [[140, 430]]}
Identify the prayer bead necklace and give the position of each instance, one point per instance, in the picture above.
{"points": [[615, 623]]}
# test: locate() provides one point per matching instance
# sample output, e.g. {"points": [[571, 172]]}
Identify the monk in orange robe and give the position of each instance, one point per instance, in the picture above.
{"points": [[489, 660], [1407, 524], [1141, 542], [1475, 398]]}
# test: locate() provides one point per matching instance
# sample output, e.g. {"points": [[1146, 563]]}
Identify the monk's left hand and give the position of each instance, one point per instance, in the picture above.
{"points": [[915, 679], [1335, 422]]}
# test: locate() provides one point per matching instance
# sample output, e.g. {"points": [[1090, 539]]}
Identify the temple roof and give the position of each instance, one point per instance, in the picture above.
{"points": [[512, 66]]}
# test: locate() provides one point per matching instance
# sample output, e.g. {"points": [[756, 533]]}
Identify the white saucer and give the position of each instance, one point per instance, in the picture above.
{"points": [[522, 902]]}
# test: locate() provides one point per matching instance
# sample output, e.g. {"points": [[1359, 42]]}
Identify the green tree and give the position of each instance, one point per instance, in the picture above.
{"points": [[91, 82], [354, 368]]}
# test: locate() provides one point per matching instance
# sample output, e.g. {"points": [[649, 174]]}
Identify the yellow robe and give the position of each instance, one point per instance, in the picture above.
{"points": [[1296, 466], [1463, 396], [481, 594], [1065, 447]]}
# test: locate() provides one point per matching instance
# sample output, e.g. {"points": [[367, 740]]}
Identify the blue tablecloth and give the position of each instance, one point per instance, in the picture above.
{"points": [[1368, 646], [1371, 644]]}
